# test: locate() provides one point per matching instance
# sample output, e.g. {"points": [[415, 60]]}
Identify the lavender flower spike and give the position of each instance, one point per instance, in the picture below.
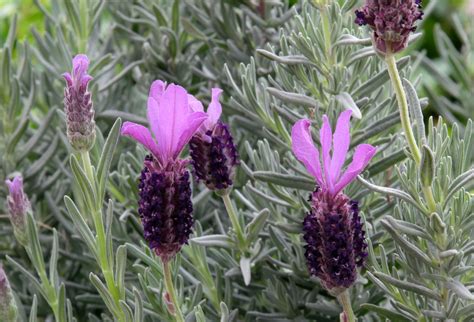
{"points": [[165, 194], [18, 205], [78, 106], [214, 155], [333, 231], [8, 308], [392, 22]]}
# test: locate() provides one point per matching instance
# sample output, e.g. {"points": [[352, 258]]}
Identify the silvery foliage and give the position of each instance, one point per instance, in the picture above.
{"points": [[276, 67], [453, 78]]}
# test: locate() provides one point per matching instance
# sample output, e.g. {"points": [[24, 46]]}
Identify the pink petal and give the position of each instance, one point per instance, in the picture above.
{"points": [[156, 89], [15, 186], [325, 136], [215, 109], [362, 156], [341, 141], [80, 64], [304, 149], [194, 104], [68, 79], [192, 123], [153, 115], [141, 134]]}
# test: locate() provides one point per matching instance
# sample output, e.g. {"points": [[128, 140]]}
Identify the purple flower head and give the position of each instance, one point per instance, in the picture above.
{"points": [[333, 231], [391, 20], [78, 105], [335, 240], [18, 205], [172, 121], [165, 205], [8, 308], [212, 149], [329, 176]]}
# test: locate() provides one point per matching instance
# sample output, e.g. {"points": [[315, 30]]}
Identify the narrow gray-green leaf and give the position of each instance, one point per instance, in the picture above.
{"points": [[106, 157]]}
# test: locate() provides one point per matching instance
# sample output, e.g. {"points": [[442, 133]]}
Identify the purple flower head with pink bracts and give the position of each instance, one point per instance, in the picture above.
{"points": [[165, 193], [213, 153], [334, 235], [391, 20], [78, 105], [18, 206]]}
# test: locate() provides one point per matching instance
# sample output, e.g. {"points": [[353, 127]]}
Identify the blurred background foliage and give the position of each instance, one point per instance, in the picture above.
{"points": [[443, 19]]}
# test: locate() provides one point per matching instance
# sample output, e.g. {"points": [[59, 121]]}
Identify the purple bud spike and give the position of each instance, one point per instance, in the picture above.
{"points": [[18, 205], [165, 206], [8, 308], [78, 106], [335, 240], [214, 157], [391, 20]]}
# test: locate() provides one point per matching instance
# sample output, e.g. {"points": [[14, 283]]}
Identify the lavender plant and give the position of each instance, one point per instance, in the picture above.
{"points": [[237, 212]]}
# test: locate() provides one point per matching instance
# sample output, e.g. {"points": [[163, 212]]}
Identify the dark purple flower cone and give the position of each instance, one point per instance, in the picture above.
{"points": [[214, 157], [165, 206], [335, 240], [391, 20]]}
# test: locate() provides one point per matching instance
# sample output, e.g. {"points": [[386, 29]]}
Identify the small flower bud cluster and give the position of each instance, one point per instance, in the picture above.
{"points": [[78, 106], [8, 308], [18, 206], [392, 22]]}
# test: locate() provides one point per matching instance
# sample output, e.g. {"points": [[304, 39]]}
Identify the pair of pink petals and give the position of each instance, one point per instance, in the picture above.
{"points": [[328, 173], [79, 77], [174, 117]]}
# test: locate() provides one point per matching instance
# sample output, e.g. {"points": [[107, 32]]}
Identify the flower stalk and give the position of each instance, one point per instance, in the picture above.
{"points": [[406, 122], [169, 285], [81, 135], [402, 105], [26, 233], [105, 265], [345, 301]]}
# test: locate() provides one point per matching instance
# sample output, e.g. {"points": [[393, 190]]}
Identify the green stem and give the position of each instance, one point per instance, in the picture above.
{"points": [[403, 106], [345, 301], [406, 124], [233, 218], [104, 263], [169, 285], [86, 163]]}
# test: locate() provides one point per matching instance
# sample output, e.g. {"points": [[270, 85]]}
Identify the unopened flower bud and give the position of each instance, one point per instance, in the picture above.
{"points": [[78, 106], [392, 22], [8, 308], [427, 166], [18, 205]]}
